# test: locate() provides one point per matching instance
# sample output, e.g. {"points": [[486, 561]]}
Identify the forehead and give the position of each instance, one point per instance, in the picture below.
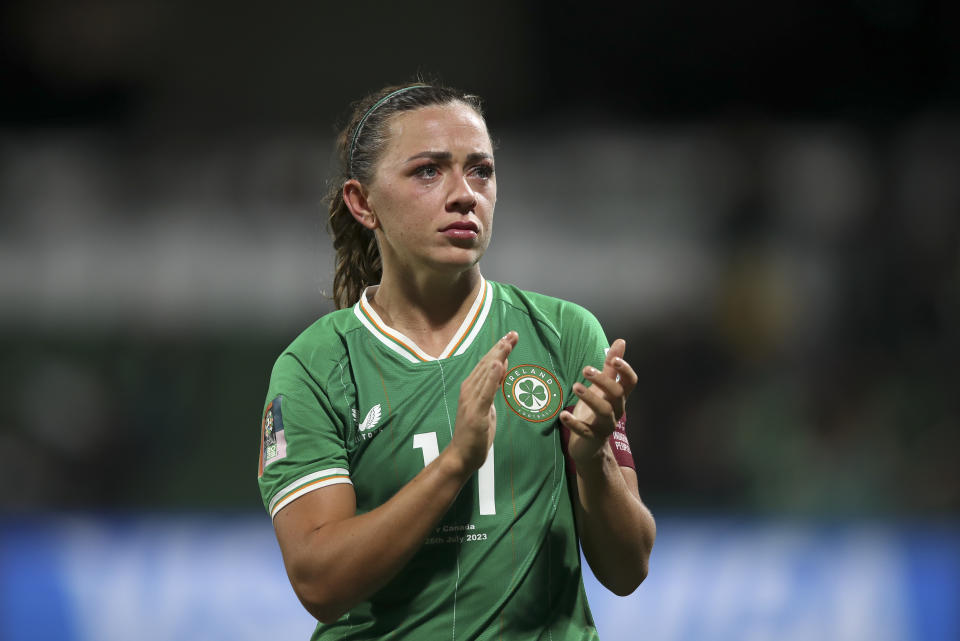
{"points": [[439, 128]]}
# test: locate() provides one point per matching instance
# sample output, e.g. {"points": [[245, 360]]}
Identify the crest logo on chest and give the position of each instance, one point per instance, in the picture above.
{"points": [[532, 392]]}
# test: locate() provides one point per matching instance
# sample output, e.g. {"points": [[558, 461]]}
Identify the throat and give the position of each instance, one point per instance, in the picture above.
{"points": [[435, 329]]}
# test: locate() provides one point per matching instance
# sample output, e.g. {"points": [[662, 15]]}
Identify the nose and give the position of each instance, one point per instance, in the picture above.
{"points": [[461, 199]]}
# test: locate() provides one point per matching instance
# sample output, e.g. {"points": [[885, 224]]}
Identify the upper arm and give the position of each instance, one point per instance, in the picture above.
{"points": [[303, 439], [296, 522]]}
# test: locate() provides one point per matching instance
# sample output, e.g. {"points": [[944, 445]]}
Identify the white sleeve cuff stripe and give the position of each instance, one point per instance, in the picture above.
{"points": [[310, 487], [308, 483]]}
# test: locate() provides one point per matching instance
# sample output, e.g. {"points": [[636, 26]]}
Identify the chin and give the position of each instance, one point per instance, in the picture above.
{"points": [[458, 260]]}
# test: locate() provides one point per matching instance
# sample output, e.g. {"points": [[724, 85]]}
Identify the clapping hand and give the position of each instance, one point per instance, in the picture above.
{"points": [[601, 405]]}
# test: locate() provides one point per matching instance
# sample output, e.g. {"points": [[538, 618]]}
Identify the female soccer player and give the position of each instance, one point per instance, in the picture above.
{"points": [[412, 457]]}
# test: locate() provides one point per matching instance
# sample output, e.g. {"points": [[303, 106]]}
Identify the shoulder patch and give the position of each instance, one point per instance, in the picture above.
{"points": [[273, 442]]}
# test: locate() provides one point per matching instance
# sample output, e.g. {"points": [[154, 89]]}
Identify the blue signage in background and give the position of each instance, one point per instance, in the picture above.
{"points": [[34, 601], [164, 578], [734, 581]]}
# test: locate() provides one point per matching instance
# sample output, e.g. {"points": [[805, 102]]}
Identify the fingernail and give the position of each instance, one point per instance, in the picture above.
{"points": [[591, 370], [618, 361]]}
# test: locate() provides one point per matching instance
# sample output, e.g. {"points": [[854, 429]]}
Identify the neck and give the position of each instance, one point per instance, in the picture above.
{"points": [[427, 308], [431, 299]]}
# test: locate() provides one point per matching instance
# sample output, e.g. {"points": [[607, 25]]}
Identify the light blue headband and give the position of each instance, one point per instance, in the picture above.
{"points": [[356, 133]]}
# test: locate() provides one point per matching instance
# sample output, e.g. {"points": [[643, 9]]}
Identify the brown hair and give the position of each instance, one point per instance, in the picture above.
{"points": [[359, 147]]}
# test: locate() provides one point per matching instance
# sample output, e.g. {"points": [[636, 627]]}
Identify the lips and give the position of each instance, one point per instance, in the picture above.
{"points": [[462, 231], [463, 225]]}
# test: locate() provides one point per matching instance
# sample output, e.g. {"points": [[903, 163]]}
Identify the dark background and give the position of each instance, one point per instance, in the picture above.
{"points": [[763, 199]]}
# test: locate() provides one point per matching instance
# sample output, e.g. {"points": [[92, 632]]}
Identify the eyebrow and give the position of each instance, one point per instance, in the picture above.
{"points": [[447, 156]]}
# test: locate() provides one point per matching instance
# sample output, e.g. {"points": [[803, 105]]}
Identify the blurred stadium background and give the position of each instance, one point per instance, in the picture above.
{"points": [[762, 198]]}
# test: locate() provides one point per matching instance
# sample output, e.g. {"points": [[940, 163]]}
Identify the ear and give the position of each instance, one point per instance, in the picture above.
{"points": [[355, 197]]}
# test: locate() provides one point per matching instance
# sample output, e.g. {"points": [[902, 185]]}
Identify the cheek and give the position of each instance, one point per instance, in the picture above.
{"points": [[392, 205], [490, 201], [490, 193]]}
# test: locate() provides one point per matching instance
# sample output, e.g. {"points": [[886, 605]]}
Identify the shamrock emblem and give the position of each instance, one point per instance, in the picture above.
{"points": [[532, 395]]}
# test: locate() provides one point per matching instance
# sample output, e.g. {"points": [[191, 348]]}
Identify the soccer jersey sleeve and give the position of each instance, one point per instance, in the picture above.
{"points": [[302, 439], [586, 344]]}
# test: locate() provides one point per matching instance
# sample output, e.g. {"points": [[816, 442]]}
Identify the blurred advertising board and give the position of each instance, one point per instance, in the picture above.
{"points": [[168, 577]]}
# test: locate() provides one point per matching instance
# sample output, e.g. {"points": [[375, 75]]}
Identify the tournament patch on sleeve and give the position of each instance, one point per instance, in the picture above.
{"points": [[273, 443]]}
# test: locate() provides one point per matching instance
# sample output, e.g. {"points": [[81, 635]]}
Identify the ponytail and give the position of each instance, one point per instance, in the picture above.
{"points": [[357, 263]]}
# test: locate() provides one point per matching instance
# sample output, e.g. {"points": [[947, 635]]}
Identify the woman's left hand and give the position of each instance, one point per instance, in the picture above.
{"points": [[601, 405]]}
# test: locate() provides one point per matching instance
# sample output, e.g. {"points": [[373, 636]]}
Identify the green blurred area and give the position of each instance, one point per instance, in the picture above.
{"points": [[171, 421], [135, 421], [762, 199]]}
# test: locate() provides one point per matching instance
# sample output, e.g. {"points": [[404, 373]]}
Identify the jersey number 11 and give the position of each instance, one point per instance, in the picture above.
{"points": [[427, 443]]}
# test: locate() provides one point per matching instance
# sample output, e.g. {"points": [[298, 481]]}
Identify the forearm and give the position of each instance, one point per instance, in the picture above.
{"points": [[343, 562], [616, 529]]}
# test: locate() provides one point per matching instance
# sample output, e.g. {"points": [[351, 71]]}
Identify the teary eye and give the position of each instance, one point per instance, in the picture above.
{"points": [[484, 171], [427, 171]]}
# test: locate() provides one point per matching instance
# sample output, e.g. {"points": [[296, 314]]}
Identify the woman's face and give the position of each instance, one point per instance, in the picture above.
{"points": [[434, 189]]}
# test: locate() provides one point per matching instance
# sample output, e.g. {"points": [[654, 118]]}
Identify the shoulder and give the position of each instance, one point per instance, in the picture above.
{"points": [[321, 346], [555, 313]]}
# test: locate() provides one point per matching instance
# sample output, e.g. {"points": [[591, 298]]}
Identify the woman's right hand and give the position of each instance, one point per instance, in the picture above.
{"points": [[476, 422]]}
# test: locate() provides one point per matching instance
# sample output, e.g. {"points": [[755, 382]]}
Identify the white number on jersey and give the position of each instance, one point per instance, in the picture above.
{"points": [[427, 442]]}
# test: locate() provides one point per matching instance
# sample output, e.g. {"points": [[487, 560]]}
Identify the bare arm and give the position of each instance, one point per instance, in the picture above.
{"points": [[616, 529], [336, 558]]}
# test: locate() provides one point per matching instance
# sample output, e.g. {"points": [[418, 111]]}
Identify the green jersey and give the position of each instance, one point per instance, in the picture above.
{"points": [[354, 401]]}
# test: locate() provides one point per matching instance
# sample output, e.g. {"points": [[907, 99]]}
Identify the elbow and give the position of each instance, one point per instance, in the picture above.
{"points": [[315, 594], [625, 576], [328, 615], [321, 605], [325, 613], [623, 570], [636, 572], [627, 583]]}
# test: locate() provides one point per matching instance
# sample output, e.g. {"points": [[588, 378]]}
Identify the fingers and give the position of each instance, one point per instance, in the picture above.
{"points": [[483, 381], [491, 376], [498, 355], [628, 377], [617, 350], [605, 381], [596, 401], [576, 425], [476, 415], [617, 380], [502, 348], [621, 384]]}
